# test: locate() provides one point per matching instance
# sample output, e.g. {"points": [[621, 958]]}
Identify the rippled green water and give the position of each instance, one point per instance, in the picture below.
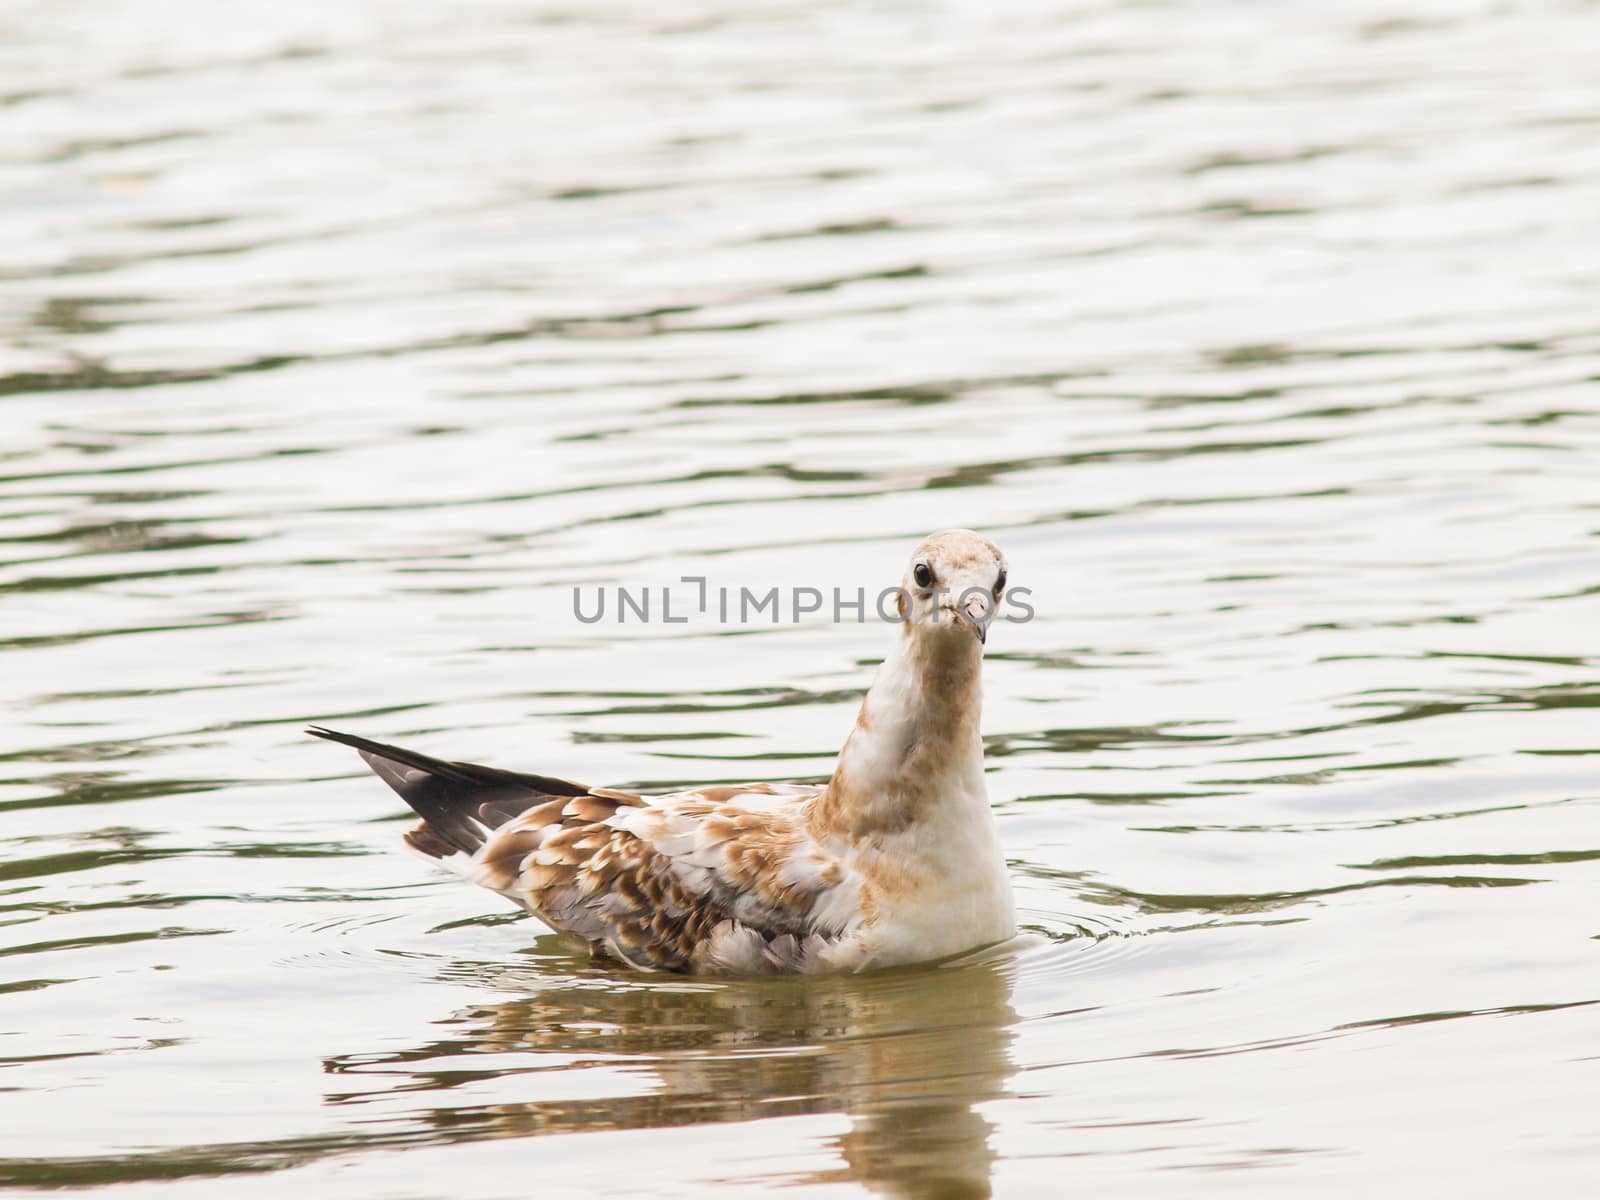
{"points": [[339, 342]]}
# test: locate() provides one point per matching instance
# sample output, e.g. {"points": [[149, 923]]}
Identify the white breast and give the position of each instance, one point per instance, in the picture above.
{"points": [[940, 887]]}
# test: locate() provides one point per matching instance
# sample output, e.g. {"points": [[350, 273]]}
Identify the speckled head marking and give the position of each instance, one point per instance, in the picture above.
{"points": [[954, 581]]}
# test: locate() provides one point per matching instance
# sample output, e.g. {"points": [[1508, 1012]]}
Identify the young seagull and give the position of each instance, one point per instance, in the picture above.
{"points": [[893, 860]]}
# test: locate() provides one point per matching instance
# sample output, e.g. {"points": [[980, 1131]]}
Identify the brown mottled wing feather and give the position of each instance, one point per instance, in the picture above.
{"points": [[686, 884], [603, 884], [724, 878]]}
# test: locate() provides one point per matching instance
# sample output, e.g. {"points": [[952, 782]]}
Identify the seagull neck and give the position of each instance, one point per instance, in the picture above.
{"points": [[916, 744]]}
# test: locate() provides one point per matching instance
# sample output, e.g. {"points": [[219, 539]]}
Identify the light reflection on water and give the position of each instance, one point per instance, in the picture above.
{"points": [[338, 347]]}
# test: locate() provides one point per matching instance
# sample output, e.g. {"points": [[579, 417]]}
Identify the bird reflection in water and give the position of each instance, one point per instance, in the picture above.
{"points": [[906, 1055]]}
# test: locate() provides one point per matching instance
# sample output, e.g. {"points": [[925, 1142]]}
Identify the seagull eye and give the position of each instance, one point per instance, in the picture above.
{"points": [[1000, 583], [923, 574]]}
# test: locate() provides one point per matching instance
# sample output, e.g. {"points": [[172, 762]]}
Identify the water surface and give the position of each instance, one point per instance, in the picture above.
{"points": [[339, 343]]}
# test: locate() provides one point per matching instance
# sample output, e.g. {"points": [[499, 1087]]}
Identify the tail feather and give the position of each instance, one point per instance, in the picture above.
{"points": [[459, 803]]}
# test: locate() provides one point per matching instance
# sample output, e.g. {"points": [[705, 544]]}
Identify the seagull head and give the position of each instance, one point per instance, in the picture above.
{"points": [[952, 585]]}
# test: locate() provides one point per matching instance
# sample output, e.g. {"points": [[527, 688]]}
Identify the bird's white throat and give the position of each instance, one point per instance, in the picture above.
{"points": [[916, 746]]}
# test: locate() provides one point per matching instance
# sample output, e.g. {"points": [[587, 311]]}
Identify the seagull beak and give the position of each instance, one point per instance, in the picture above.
{"points": [[975, 614]]}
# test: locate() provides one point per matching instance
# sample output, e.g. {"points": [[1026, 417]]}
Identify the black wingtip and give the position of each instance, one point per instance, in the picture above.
{"points": [[457, 801], [356, 742], [458, 772]]}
